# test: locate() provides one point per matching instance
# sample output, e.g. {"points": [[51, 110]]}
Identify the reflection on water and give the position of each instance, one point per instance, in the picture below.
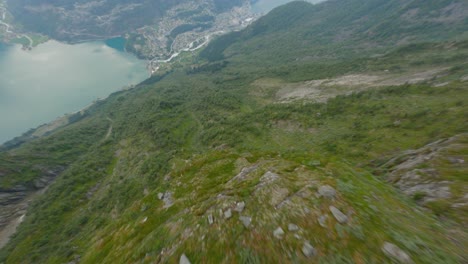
{"points": [[40, 85]]}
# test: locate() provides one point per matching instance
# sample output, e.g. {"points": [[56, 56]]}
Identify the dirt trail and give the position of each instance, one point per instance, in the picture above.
{"points": [[109, 131]]}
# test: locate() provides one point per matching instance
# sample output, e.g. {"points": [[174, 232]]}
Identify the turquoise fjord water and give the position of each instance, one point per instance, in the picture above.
{"points": [[117, 43], [53, 79]]}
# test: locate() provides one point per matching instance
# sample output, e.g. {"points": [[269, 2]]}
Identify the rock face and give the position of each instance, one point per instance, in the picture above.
{"points": [[14, 203], [416, 174], [11, 215], [431, 191], [394, 252], [339, 216]]}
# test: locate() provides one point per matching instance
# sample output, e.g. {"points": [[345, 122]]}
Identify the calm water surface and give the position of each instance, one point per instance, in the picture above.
{"points": [[53, 79]]}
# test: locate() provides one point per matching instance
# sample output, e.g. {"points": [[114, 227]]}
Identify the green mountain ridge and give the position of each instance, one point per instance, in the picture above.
{"points": [[330, 30], [277, 144]]}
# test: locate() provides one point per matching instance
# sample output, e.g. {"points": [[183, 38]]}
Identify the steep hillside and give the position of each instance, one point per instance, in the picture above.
{"points": [[340, 29], [262, 157]]}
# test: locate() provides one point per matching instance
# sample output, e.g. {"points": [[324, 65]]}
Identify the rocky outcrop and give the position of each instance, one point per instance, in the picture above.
{"points": [[14, 202], [420, 173], [13, 206], [244, 173]]}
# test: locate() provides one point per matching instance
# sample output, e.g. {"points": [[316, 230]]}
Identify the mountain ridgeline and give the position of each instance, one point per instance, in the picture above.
{"points": [[328, 133], [335, 29]]}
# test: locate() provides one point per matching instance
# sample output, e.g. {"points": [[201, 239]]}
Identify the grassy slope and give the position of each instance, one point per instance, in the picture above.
{"points": [[193, 131], [337, 30], [164, 133]]}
